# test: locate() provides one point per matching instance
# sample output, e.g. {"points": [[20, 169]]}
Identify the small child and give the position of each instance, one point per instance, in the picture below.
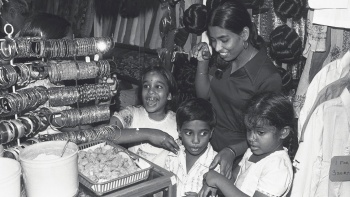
{"points": [[153, 122], [266, 168], [195, 120]]}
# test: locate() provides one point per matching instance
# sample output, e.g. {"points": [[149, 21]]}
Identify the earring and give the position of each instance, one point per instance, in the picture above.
{"points": [[245, 44]]}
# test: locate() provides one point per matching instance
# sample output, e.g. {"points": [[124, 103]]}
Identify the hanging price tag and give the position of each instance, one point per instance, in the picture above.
{"points": [[339, 170]]}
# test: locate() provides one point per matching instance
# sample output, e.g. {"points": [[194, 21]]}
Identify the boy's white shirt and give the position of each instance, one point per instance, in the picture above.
{"points": [[193, 180]]}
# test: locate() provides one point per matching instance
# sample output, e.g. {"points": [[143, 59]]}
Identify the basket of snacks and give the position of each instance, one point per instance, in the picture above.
{"points": [[104, 167]]}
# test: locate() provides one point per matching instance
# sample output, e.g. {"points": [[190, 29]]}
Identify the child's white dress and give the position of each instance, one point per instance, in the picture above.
{"points": [[137, 117], [272, 176]]}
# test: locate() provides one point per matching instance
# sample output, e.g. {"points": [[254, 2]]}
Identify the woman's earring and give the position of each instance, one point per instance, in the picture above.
{"points": [[245, 44]]}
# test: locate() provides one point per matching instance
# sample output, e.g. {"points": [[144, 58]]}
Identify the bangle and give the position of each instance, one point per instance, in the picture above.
{"points": [[203, 73], [233, 151]]}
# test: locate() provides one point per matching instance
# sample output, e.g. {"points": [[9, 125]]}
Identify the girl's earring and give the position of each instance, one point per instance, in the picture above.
{"points": [[169, 97]]}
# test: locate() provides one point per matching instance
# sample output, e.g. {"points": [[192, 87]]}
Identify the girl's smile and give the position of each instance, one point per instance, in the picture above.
{"points": [[155, 95]]}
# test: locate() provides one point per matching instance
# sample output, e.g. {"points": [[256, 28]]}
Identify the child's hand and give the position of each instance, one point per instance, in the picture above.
{"points": [[164, 140], [209, 184], [200, 51], [225, 158]]}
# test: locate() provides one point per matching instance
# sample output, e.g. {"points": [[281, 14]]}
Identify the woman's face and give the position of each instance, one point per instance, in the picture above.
{"points": [[228, 44]]}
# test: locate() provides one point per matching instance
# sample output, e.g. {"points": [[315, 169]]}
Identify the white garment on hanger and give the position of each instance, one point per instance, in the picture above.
{"points": [[328, 74], [327, 135]]}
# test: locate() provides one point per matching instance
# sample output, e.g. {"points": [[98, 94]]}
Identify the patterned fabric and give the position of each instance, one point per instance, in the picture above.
{"points": [[191, 181], [272, 175], [137, 117]]}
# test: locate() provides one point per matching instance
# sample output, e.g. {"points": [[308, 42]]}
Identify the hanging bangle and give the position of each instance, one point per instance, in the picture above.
{"points": [[233, 151]]}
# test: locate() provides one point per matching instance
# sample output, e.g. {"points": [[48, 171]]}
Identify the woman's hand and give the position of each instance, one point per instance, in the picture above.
{"points": [[164, 140], [200, 51], [209, 184], [225, 158]]}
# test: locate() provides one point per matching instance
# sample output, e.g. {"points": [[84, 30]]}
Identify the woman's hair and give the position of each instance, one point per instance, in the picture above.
{"points": [[233, 16], [285, 45], [275, 110], [170, 81], [46, 25], [289, 8], [195, 19], [196, 109]]}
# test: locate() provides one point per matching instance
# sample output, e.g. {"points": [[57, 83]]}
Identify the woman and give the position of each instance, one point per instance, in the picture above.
{"points": [[240, 68]]}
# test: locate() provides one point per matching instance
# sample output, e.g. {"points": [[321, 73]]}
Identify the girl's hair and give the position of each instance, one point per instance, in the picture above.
{"points": [[170, 81], [285, 45], [46, 25], [275, 110], [196, 109], [195, 19], [233, 16], [285, 9]]}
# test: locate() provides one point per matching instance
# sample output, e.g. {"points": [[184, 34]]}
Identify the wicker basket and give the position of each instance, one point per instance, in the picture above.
{"points": [[118, 183]]}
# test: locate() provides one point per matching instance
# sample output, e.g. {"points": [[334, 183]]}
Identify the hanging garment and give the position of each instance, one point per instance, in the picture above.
{"points": [[331, 15], [326, 136], [330, 73]]}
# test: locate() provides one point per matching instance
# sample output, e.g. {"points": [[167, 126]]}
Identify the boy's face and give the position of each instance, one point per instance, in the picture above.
{"points": [[195, 136]]}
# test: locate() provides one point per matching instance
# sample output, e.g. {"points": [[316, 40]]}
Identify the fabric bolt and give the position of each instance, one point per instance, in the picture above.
{"points": [[191, 181], [230, 94], [318, 58], [299, 97], [330, 73], [316, 37], [137, 117], [326, 136], [272, 175], [339, 45]]}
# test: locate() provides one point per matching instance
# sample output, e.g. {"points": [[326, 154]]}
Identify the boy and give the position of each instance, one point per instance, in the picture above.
{"points": [[195, 121]]}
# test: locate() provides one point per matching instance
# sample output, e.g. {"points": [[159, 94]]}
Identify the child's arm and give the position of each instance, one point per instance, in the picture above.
{"points": [[154, 136], [226, 186], [226, 157]]}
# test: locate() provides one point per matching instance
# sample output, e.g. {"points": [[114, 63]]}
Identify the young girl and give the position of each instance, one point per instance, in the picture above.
{"points": [[266, 168], [152, 122]]}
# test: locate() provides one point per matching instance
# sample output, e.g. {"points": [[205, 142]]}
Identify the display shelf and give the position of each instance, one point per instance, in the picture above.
{"points": [[158, 180]]}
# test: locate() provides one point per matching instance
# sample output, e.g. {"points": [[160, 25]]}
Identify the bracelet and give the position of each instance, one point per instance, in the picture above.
{"points": [[233, 151], [203, 73]]}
